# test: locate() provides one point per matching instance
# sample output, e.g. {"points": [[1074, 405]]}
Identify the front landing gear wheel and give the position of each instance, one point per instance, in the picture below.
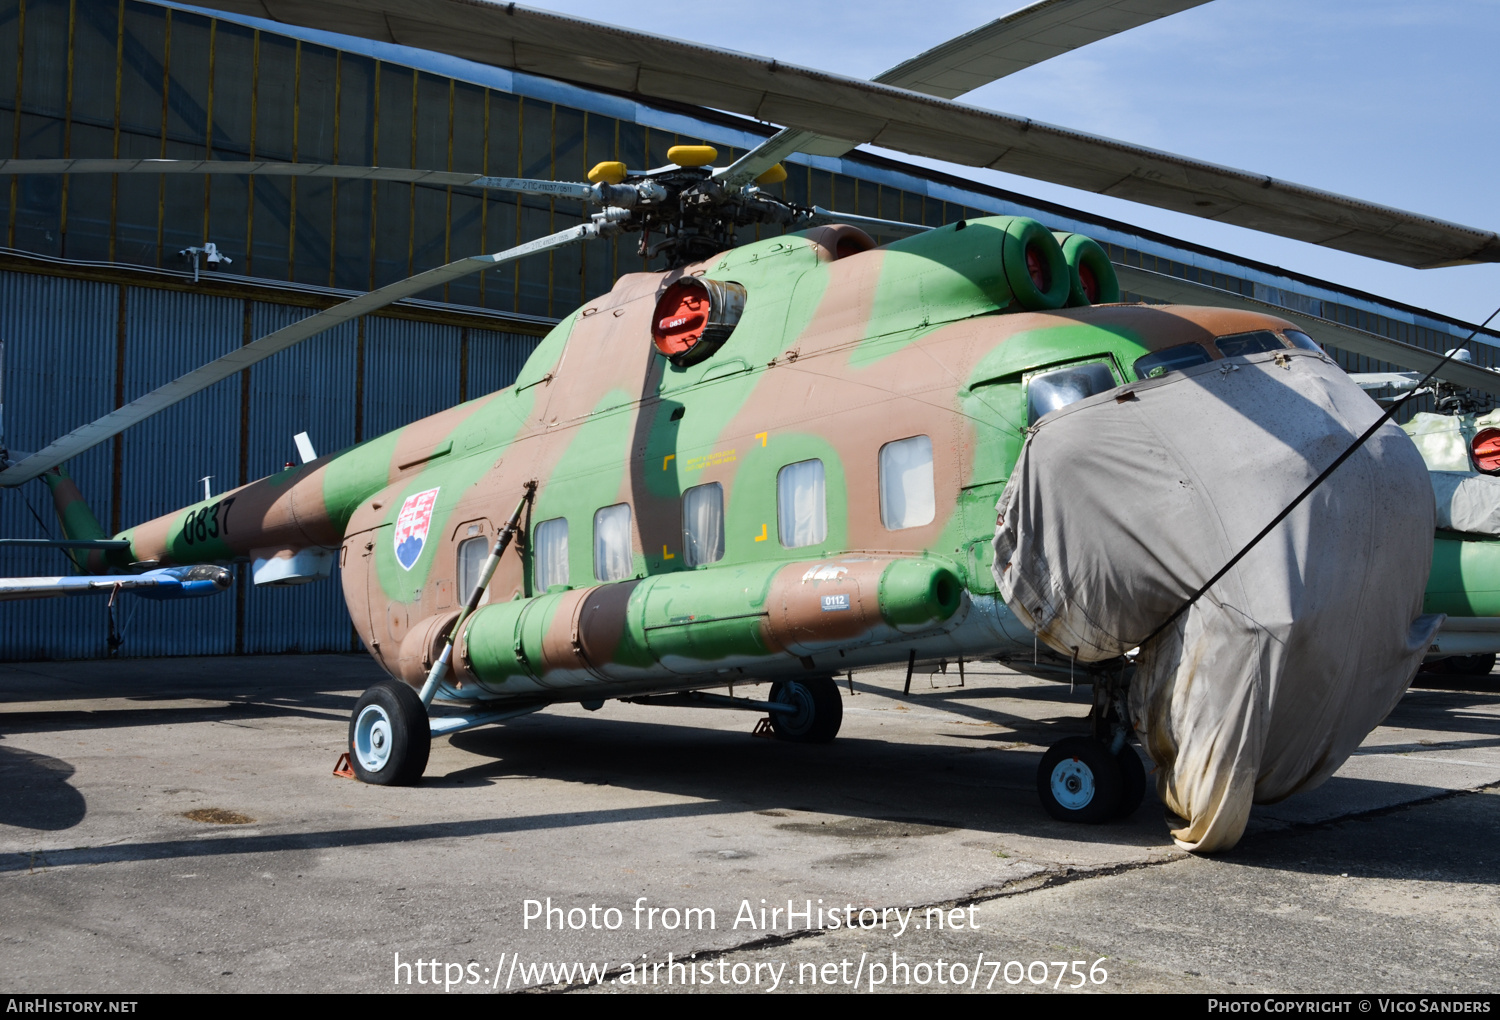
{"points": [[1079, 781], [820, 710], [389, 735]]}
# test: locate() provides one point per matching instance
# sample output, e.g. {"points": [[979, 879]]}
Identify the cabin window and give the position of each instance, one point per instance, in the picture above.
{"points": [[907, 499], [1059, 387], [1240, 344], [703, 524], [1297, 338], [550, 555], [1173, 359], [612, 552], [472, 552], [801, 508]]}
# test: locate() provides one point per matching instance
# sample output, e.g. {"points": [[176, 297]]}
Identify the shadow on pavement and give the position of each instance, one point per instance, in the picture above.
{"points": [[35, 793], [1449, 837]]}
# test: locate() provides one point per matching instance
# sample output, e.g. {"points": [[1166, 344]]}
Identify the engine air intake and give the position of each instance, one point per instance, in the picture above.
{"points": [[694, 317]]}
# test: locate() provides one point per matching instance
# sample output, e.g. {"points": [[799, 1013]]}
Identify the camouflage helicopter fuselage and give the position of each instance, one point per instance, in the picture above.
{"points": [[834, 358]]}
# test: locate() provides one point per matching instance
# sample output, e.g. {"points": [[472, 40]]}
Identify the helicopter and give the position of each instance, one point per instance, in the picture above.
{"points": [[770, 462]]}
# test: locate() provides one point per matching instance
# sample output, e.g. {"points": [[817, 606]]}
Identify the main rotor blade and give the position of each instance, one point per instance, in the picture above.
{"points": [[770, 152], [605, 56], [1335, 334], [962, 64], [1385, 380], [1037, 32], [260, 168], [869, 224], [163, 397]]}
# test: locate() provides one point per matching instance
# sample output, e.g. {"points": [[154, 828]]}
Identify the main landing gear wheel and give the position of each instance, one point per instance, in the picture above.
{"points": [[1132, 781], [1467, 665], [1080, 781], [389, 735], [820, 710]]}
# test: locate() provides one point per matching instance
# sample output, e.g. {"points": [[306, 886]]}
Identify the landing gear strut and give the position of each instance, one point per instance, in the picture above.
{"points": [[390, 733], [1099, 778]]}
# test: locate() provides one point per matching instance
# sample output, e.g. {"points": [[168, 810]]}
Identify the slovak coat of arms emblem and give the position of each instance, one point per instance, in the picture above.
{"points": [[412, 525]]}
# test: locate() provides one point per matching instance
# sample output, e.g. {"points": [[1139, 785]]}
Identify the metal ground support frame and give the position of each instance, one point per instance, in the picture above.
{"points": [[703, 699], [446, 724], [911, 668], [942, 668]]}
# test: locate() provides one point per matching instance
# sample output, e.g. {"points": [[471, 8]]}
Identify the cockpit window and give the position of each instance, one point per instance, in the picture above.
{"points": [[1297, 338], [1173, 359], [1240, 344], [1047, 391]]}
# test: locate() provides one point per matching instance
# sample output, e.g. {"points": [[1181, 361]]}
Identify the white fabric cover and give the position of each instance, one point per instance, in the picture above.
{"points": [[801, 509], [703, 524], [907, 496], [1124, 504], [1467, 501], [1442, 440], [472, 552], [551, 553], [612, 549]]}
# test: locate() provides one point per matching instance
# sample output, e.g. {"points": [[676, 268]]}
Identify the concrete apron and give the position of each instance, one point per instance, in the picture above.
{"points": [[922, 802]]}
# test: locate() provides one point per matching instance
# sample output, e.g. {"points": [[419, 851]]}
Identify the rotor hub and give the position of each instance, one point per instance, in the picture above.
{"points": [[687, 215]]}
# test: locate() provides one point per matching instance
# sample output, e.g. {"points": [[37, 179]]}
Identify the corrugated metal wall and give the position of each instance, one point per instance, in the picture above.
{"points": [[60, 338], [74, 348], [310, 388], [164, 458]]}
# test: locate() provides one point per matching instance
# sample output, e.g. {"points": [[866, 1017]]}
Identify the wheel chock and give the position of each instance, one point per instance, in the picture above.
{"points": [[763, 729], [342, 768]]}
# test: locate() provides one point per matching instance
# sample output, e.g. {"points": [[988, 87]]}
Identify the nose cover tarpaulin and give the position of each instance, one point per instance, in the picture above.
{"points": [[1124, 504]]}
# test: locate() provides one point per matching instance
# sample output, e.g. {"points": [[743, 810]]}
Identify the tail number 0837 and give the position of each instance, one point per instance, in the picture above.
{"points": [[209, 522]]}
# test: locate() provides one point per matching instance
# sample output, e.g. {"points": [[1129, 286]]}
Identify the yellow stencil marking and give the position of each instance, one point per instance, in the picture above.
{"points": [[666, 555], [762, 536], [762, 437], [666, 460], [708, 460]]}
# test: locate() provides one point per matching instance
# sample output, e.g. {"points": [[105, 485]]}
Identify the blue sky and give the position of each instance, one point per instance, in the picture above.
{"points": [[1391, 102]]}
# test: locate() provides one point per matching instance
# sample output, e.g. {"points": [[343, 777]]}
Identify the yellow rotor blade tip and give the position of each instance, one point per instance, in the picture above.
{"points": [[775, 175], [692, 155], [607, 173]]}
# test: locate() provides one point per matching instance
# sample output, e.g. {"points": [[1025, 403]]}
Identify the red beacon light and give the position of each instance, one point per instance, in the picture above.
{"points": [[693, 318]]}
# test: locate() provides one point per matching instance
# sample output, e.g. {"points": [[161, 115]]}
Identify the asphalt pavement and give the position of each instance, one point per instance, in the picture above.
{"points": [[173, 825]]}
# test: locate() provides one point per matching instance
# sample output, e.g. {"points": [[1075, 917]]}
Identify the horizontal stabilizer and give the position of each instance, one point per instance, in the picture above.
{"points": [[68, 543], [162, 584]]}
